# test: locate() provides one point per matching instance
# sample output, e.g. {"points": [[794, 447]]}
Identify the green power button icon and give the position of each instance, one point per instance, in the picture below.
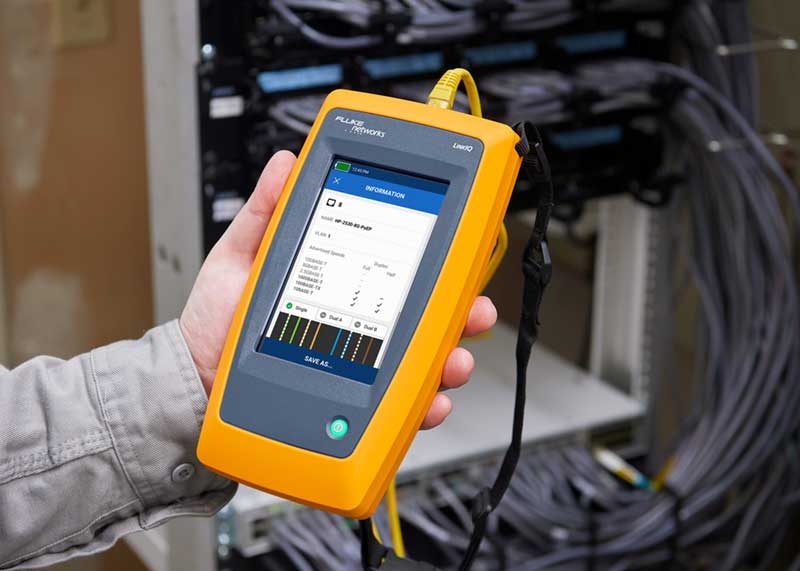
{"points": [[338, 428]]}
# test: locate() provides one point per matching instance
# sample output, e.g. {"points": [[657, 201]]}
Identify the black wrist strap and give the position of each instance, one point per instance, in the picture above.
{"points": [[536, 269]]}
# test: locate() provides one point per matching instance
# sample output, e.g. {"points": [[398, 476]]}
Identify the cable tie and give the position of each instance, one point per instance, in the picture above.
{"points": [[734, 144], [776, 44]]}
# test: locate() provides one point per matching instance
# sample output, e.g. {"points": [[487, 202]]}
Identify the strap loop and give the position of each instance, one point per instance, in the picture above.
{"points": [[372, 550], [482, 504]]}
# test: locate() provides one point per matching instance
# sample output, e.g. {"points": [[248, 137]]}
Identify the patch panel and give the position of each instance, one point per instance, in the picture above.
{"points": [[253, 59]]}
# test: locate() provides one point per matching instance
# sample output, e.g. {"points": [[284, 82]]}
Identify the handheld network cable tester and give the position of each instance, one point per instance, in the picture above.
{"points": [[360, 289]]}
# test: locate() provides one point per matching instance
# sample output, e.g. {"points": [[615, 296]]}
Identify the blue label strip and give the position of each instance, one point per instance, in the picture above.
{"points": [[300, 78], [398, 66]]}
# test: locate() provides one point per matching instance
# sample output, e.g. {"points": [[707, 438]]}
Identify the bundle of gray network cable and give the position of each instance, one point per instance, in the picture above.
{"points": [[734, 487]]}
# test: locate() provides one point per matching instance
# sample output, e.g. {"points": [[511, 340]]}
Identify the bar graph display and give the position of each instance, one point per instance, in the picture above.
{"points": [[337, 342], [353, 271]]}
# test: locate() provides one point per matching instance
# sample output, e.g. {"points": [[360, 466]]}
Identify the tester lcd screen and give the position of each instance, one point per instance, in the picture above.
{"points": [[354, 269]]}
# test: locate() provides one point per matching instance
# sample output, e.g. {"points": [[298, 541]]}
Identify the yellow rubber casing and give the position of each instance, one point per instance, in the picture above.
{"points": [[353, 486]]}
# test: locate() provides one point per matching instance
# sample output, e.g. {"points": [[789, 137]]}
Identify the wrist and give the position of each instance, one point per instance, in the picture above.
{"points": [[204, 371]]}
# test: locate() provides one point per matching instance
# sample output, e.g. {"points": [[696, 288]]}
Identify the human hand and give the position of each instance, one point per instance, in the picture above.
{"points": [[209, 310]]}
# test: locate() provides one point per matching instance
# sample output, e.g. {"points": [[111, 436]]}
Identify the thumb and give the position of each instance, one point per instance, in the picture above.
{"points": [[243, 236]]}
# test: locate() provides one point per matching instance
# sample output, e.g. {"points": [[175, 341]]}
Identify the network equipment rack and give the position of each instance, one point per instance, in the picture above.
{"points": [[253, 59]]}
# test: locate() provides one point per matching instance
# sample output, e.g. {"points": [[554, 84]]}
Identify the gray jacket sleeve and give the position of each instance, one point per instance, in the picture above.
{"points": [[99, 446]]}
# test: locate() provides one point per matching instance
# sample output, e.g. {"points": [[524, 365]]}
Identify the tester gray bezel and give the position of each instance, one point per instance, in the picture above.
{"points": [[292, 403]]}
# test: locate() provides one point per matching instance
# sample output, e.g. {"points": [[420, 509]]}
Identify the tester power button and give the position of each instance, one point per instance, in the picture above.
{"points": [[338, 427]]}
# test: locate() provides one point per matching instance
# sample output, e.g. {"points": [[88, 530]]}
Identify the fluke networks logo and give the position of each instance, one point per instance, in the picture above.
{"points": [[357, 127]]}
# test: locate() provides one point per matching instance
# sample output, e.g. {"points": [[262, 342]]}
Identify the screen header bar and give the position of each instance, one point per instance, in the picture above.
{"points": [[385, 186]]}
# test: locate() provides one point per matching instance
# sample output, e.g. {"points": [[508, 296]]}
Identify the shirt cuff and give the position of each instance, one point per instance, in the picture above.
{"points": [[153, 403]]}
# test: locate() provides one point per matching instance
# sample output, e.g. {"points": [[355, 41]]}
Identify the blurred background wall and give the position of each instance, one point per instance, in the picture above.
{"points": [[73, 195], [74, 254]]}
